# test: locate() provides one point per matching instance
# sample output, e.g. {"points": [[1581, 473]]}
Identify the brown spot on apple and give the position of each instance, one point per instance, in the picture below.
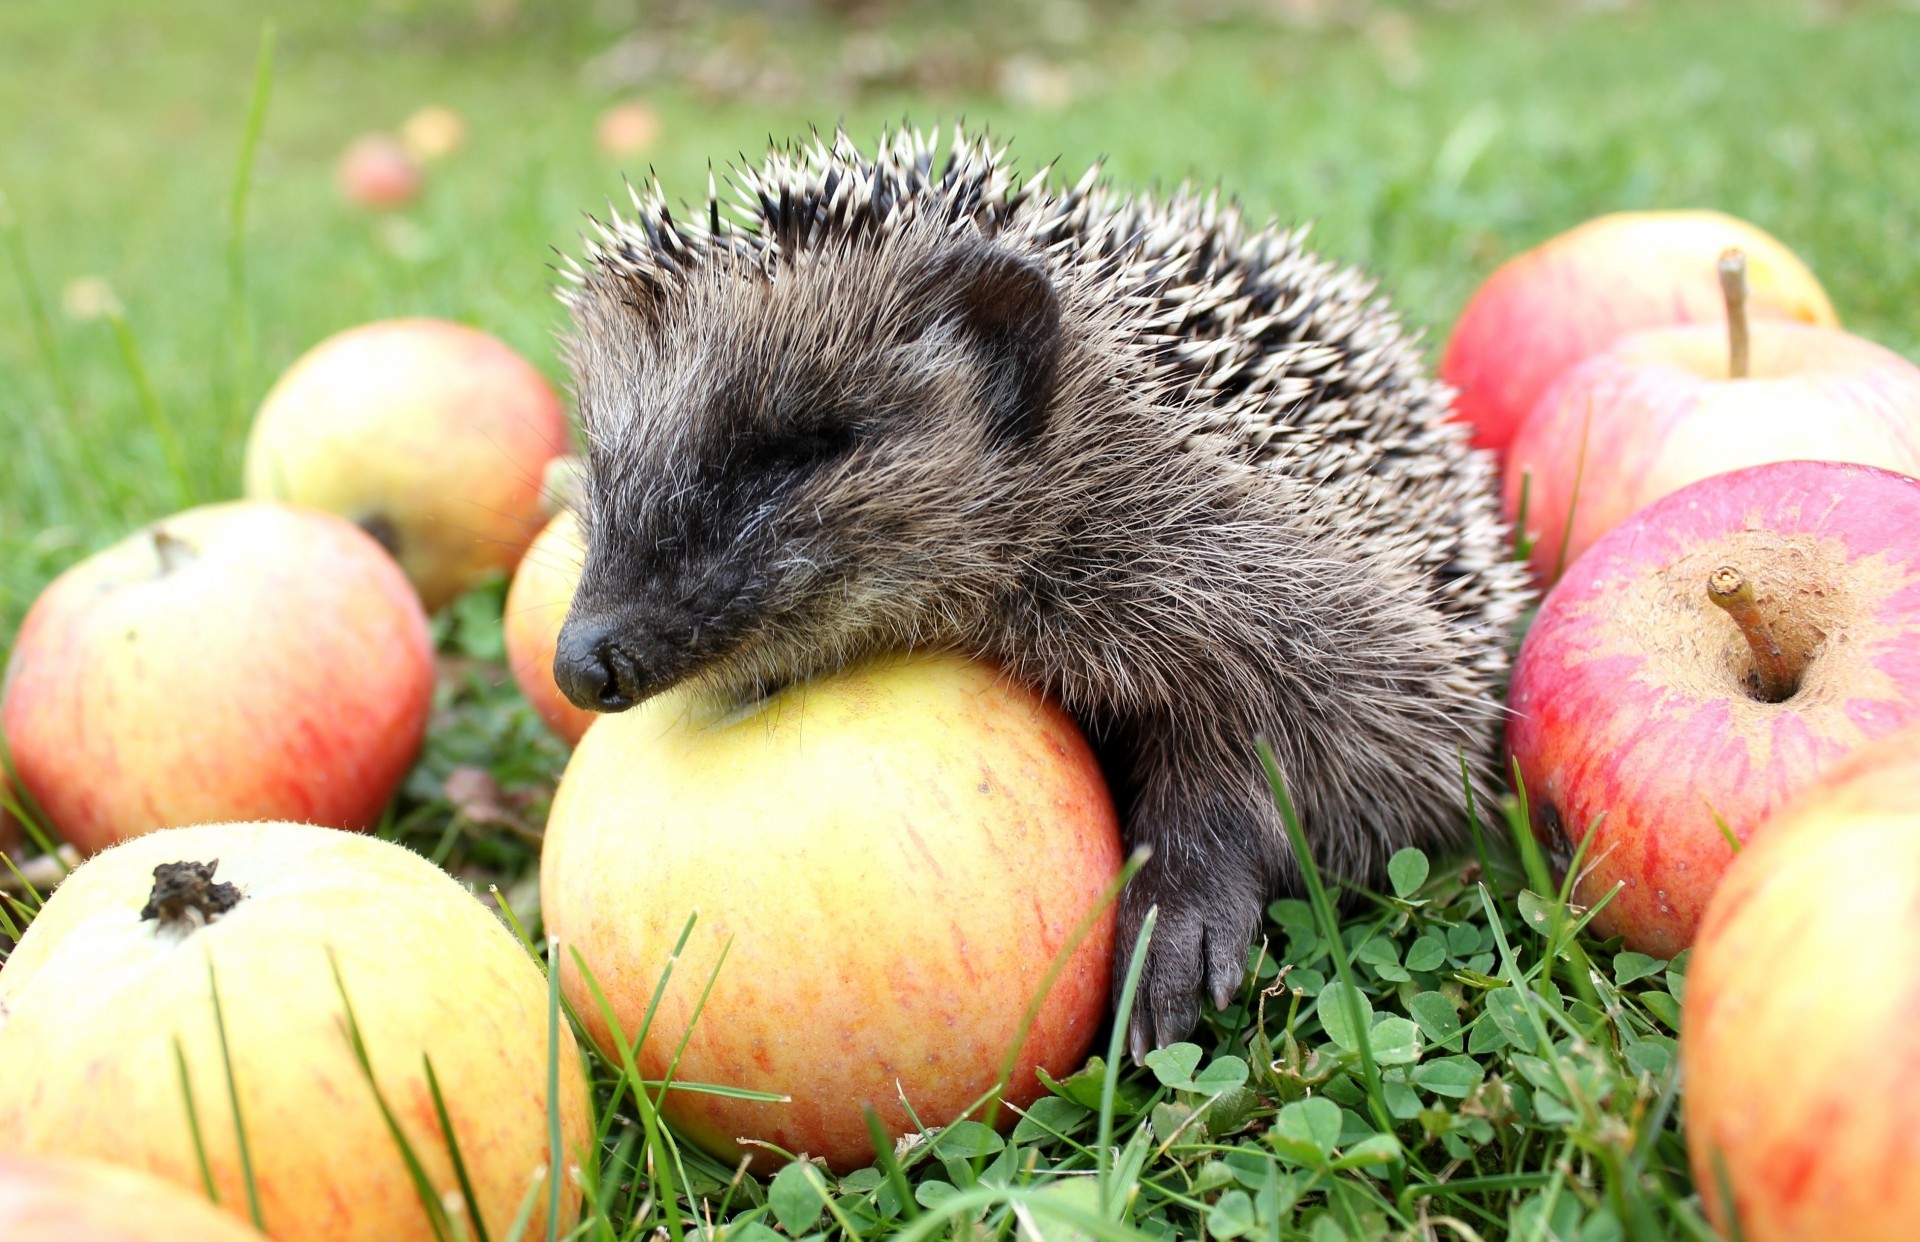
{"points": [[186, 896]]}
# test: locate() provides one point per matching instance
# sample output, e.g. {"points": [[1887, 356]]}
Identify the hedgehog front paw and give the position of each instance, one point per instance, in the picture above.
{"points": [[1200, 938]]}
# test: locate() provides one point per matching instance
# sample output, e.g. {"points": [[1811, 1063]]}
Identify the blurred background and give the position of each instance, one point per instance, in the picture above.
{"points": [[1426, 141]]}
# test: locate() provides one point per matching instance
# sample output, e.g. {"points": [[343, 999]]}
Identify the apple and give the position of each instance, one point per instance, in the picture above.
{"points": [[626, 129], [236, 660], [1661, 408], [1797, 1040], [891, 860], [113, 982], [1710, 656], [1544, 310], [378, 172], [58, 1199], [433, 132], [536, 606], [432, 435]]}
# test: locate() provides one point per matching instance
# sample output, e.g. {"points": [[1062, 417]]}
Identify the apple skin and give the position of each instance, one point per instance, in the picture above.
{"points": [[433, 435], [1546, 309], [97, 1000], [1797, 1042], [1656, 411], [433, 132], [377, 172], [283, 669], [1629, 695], [897, 854], [62, 1199], [626, 129], [536, 607]]}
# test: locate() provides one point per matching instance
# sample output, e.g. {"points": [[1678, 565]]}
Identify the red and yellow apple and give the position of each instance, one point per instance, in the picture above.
{"points": [[61, 1199], [1657, 410], [536, 606], [378, 172], [431, 435], [891, 860], [1643, 711], [101, 999], [1544, 310], [1798, 1041], [239, 660]]}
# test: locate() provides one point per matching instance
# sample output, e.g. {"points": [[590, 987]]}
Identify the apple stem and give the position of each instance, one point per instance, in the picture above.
{"points": [[1778, 673], [185, 895], [1733, 286], [174, 552]]}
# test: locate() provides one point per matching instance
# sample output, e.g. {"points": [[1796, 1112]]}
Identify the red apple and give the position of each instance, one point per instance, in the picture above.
{"points": [[896, 855], [111, 988], [1798, 1041], [537, 602], [61, 1199], [1544, 310], [232, 661], [1657, 411], [1641, 710], [432, 435], [378, 172]]}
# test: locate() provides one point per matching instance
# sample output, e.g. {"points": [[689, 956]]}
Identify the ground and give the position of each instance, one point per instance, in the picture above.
{"points": [[1426, 141]]}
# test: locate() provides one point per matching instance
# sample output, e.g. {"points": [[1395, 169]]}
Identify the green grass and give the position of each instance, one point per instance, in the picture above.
{"points": [[1454, 1059]]}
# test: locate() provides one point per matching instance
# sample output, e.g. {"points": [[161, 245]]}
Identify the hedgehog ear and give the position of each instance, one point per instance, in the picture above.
{"points": [[1006, 306]]}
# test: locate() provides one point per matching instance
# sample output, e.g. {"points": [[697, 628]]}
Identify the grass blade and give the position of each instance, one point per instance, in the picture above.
{"points": [[233, 1096], [157, 418], [1337, 947], [193, 1124], [239, 330], [555, 1156], [1110, 1081], [36, 305], [453, 1150], [422, 1185]]}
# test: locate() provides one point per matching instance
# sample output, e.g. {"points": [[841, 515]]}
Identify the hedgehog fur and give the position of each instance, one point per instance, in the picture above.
{"points": [[1180, 473]]}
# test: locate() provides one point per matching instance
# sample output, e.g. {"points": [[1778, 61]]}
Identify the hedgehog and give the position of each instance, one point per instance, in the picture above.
{"points": [[1177, 472]]}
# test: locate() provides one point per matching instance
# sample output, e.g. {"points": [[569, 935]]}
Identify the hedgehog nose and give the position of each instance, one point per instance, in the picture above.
{"points": [[590, 668]]}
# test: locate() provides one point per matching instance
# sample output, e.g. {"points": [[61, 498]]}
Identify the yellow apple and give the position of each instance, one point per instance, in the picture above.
{"points": [[60, 1199], [431, 435], [235, 661], [536, 605], [1798, 1039], [892, 857], [98, 1001]]}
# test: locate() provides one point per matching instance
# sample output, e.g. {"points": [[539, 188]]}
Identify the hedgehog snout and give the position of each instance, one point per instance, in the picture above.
{"points": [[592, 669]]}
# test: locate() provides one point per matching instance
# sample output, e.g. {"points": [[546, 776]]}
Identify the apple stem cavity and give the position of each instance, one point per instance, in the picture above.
{"points": [[1777, 673], [174, 552], [185, 896], [1733, 286]]}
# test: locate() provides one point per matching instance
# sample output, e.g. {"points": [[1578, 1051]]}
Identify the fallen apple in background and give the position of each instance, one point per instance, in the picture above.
{"points": [[378, 172], [239, 660], [431, 435], [433, 132], [1797, 1041], [536, 607], [1571, 296], [100, 998], [892, 859], [1663, 408], [1641, 711], [61, 1199], [626, 129]]}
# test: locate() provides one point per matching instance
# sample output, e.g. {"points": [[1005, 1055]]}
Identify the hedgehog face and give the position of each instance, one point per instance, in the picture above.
{"points": [[786, 473]]}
